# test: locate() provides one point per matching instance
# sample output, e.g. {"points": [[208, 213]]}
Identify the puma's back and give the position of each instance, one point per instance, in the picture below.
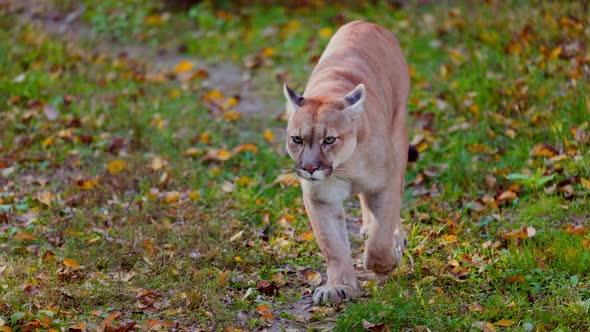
{"points": [[361, 52]]}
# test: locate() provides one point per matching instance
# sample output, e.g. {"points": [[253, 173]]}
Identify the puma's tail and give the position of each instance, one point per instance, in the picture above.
{"points": [[413, 154]]}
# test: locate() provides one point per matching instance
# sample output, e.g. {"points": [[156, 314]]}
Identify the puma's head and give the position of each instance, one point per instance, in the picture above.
{"points": [[322, 132]]}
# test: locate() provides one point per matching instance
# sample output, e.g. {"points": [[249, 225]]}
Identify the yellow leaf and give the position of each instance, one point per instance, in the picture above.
{"points": [[223, 155], [555, 53], [238, 259], [232, 116], [172, 196], [46, 197], [268, 135], [157, 163], [87, 184], [174, 93], [505, 322], [544, 150], [245, 147], [510, 133], [585, 183], [307, 236], [244, 181], [69, 262], [47, 142], [205, 138], [191, 152], [326, 32], [450, 238], [268, 52], [183, 66], [194, 195], [117, 166], [477, 148], [154, 19], [213, 95]]}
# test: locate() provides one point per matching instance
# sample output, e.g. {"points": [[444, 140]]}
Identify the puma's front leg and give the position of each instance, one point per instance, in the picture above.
{"points": [[329, 227], [385, 244]]}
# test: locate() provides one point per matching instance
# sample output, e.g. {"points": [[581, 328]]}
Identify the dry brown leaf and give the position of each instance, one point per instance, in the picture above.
{"points": [[109, 320], [507, 195], [46, 197], [25, 236], [544, 150], [287, 180], [311, 277], [245, 147], [264, 312]]}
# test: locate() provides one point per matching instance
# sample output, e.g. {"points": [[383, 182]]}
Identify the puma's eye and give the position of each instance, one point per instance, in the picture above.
{"points": [[329, 140], [297, 139]]}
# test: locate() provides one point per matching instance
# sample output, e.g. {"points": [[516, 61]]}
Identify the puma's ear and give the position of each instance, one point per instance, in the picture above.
{"points": [[294, 100], [355, 101]]}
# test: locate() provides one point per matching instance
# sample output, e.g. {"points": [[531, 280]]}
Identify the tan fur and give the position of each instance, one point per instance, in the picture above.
{"points": [[368, 158]]}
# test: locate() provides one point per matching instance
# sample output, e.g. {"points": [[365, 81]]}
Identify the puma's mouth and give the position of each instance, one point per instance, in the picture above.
{"points": [[317, 175]]}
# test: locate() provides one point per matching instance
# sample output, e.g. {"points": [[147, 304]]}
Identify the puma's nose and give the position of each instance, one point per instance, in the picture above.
{"points": [[310, 169]]}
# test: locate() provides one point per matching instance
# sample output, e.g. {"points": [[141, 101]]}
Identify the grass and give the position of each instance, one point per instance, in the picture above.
{"points": [[123, 201]]}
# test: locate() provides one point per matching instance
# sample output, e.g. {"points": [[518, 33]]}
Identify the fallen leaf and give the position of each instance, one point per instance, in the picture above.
{"points": [[307, 236], [46, 197], [264, 312], [311, 277], [109, 320], [544, 150], [505, 322], [506, 196], [267, 287], [287, 180], [192, 152], [50, 112], [183, 66], [326, 33], [374, 327], [172, 196], [157, 163], [87, 184], [223, 155], [268, 135], [117, 166], [484, 326], [245, 147], [227, 187], [69, 262], [25, 236], [31, 289]]}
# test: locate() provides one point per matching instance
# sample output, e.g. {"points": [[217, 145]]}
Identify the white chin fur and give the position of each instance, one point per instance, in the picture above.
{"points": [[316, 176]]}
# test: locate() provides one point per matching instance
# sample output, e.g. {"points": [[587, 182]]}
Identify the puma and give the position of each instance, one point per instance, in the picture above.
{"points": [[348, 136]]}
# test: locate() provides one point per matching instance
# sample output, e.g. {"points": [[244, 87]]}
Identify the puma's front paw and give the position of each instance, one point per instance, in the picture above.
{"points": [[334, 294]]}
